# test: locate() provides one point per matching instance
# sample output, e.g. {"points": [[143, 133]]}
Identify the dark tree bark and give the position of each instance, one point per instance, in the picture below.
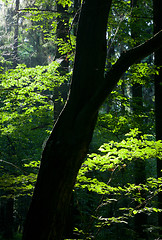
{"points": [[140, 219], [69, 141], [6, 218], [157, 5]]}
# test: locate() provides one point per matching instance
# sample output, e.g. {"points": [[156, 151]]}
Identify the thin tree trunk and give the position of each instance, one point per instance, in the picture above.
{"points": [[140, 175], [157, 5], [60, 92], [6, 218], [15, 45]]}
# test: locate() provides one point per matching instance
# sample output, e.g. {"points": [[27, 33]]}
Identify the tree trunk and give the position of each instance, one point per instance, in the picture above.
{"points": [[140, 219], [69, 141], [60, 92], [6, 218], [15, 45], [157, 4], [68, 144]]}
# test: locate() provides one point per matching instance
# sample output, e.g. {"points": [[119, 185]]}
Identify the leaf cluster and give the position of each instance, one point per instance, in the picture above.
{"points": [[100, 174], [26, 93]]}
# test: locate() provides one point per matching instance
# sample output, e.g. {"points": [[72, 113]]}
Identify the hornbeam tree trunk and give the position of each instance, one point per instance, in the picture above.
{"points": [[68, 143]]}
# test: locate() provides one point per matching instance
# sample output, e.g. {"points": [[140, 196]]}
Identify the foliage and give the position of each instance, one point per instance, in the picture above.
{"points": [[141, 73], [26, 121], [45, 18], [98, 180], [65, 2], [27, 93], [105, 193], [100, 175]]}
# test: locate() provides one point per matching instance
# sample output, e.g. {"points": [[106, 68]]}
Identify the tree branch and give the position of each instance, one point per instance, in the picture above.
{"points": [[132, 56], [123, 63]]}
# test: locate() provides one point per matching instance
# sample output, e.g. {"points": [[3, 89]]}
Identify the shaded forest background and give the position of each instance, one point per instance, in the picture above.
{"points": [[118, 190]]}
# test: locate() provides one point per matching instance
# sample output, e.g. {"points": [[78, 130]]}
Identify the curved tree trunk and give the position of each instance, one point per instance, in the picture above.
{"points": [[68, 144]]}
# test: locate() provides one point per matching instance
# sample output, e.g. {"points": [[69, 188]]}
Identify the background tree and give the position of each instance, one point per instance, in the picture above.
{"points": [[158, 92], [60, 93], [137, 106], [16, 34]]}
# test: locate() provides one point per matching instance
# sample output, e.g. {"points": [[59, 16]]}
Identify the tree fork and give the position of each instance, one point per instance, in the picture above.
{"points": [[68, 143]]}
